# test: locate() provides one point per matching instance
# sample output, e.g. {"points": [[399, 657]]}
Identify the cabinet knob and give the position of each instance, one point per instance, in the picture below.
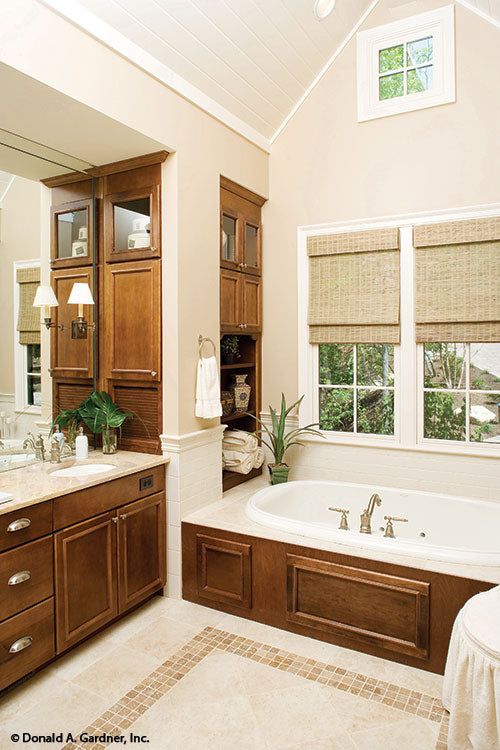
{"points": [[21, 523], [114, 519], [21, 644], [153, 373], [123, 516], [20, 577], [153, 249]]}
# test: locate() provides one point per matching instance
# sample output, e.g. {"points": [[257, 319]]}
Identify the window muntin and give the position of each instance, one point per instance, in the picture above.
{"points": [[406, 69], [356, 388], [462, 392]]}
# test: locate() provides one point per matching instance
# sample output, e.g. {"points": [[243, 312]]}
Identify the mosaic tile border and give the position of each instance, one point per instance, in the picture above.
{"points": [[122, 714]]}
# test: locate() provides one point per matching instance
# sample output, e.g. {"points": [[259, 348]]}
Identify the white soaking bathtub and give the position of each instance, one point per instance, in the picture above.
{"points": [[440, 527]]}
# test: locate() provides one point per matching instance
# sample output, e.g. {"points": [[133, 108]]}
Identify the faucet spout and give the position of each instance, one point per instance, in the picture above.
{"points": [[366, 516]]}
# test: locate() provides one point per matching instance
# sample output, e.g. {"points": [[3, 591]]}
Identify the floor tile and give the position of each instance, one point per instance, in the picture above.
{"points": [[159, 638], [114, 674], [410, 732]]}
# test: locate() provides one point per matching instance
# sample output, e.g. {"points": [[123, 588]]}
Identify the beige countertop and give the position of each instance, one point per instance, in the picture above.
{"points": [[34, 484], [229, 514]]}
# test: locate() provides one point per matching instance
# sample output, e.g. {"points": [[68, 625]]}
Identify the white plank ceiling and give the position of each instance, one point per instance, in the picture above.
{"points": [[255, 59]]}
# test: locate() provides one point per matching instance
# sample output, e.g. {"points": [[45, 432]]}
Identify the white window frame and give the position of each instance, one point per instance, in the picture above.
{"points": [[408, 379], [437, 23], [20, 358]]}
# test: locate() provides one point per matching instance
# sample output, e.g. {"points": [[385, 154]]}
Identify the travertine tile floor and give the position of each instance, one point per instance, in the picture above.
{"points": [[186, 677]]}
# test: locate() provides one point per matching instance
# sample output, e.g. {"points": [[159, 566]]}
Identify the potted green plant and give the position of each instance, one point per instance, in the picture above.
{"points": [[229, 349], [278, 441], [102, 415], [70, 419]]}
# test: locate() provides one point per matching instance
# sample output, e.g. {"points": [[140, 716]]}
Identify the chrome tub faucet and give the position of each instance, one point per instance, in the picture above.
{"points": [[36, 445], [366, 516]]}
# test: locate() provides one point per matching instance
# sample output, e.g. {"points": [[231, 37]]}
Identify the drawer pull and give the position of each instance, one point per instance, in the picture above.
{"points": [[21, 644], [21, 523], [123, 516], [21, 577]]}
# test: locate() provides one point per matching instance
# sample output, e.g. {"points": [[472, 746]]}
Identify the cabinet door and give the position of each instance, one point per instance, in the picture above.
{"points": [[70, 358], [251, 314], [132, 224], [240, 230], [141, 550], [71, 234], [230, 300], [85, 578], [132, 311]]}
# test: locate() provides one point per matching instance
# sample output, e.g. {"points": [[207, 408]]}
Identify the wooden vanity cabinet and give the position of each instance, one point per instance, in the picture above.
{"points": [[85, 578], [70, 358], [240, 302], [108, 563]]}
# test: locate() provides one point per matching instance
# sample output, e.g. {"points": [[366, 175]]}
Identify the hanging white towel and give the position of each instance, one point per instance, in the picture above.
{"points": [[208, 403]]}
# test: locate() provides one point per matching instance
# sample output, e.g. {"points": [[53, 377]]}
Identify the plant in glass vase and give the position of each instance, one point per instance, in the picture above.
{"points": [[103, 416]]}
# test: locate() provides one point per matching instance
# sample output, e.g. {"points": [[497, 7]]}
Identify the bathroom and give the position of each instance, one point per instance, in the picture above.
{"points": [[228, 612]]}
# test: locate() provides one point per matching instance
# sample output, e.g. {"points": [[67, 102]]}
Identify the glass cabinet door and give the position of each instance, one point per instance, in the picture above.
{"points": [[131, 225], [252, 249], [229, 239], [72, 234]]}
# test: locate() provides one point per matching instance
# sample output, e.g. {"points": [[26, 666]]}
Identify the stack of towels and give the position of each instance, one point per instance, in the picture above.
{"points": [[241, 452]]}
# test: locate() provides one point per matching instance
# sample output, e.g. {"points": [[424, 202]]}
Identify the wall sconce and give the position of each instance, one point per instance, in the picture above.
{"points": [[80, 295], [46, 298]]}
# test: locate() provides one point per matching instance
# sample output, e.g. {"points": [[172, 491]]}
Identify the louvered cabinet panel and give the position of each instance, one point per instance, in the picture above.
{"points": [[142, 432]]}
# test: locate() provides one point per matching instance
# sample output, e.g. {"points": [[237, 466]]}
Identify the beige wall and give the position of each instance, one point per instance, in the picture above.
{"points": [[204, 148], [19, 240], [327, 167]]}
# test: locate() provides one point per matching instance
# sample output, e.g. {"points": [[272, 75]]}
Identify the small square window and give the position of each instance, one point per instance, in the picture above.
{"points": [[406, 65]]}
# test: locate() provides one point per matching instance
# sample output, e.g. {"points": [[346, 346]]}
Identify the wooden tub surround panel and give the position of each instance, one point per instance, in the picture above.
{"points": [[392, 611]]}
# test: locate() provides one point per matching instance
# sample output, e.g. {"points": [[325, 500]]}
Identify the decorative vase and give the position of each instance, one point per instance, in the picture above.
{"points": [[241, 393], [279, 473], [109, 440], [227, 402]]}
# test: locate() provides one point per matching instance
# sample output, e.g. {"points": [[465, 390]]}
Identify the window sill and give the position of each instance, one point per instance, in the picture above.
{"points": [[390, 443]]}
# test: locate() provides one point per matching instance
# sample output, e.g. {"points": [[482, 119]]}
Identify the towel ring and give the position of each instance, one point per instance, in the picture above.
{"points": [[205, 340]]}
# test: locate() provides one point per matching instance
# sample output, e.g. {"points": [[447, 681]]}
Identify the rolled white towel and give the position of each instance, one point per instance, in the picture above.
{"points": [[259, 458], [239, 440], [237, 461]]}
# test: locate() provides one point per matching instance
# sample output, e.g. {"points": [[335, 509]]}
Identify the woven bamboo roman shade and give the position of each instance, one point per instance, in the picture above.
{"points": [[354, 287], [28, 322], [457, 281]]}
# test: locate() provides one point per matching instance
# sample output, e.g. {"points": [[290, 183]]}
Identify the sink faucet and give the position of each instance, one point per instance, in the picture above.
{"points": [[366, 516], [58, 446], [36, 446]]}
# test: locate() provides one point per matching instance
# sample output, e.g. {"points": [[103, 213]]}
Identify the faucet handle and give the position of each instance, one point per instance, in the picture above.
{"points": [[389, 530], [343, 519]]}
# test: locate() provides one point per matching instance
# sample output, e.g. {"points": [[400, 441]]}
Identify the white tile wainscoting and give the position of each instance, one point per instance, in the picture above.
{"points": [[194, 479]]}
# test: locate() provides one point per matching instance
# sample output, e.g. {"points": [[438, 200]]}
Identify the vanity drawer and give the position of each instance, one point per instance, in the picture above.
{"points": [[78, 506], [31, 635], [26, 576], [26, 524]]}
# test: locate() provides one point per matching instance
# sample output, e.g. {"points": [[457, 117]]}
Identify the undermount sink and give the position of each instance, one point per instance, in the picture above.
{"points": [[82, 471]]}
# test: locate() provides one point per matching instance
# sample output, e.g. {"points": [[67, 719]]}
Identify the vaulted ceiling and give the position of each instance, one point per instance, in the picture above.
{"points": [[248, 62]]}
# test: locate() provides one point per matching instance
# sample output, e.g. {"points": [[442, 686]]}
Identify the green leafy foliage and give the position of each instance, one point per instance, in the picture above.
{"points": [[443, 419], [275, 438], [99, 412]]}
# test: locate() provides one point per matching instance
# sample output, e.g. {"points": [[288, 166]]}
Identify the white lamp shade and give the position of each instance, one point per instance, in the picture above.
{"points": [[80, 295], [45, 297]]}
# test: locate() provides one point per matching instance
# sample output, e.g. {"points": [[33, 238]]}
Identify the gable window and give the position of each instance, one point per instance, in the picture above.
{"points": [[406, 65]]}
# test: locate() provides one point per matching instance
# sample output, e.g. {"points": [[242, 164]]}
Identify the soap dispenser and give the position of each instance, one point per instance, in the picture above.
{"points": [[81, 444]]}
